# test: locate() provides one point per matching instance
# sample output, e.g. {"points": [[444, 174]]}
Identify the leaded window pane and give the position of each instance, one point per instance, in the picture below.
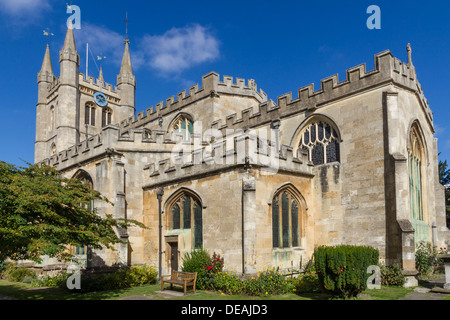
{"points": [[187, 213], [317, 154], [320, 131], [313, 133], [198, 225], [332, 151], [295, 230], [285, 219], [327, 131], [176, 217], [275, 223], [306, 136]]}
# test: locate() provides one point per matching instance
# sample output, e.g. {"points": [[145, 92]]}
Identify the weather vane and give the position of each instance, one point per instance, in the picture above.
{"points": [[101, 58], [47, 33], [126, 28]]}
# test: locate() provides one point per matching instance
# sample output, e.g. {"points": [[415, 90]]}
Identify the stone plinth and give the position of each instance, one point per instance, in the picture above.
{"points": [[446, 259]]}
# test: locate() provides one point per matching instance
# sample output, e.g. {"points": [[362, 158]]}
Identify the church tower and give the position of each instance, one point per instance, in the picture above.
{"points": [[74, 106], [68, 111], [43, 112]]}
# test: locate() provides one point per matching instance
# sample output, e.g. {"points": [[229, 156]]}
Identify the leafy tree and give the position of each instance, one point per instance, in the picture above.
{"points": [[444, 173], [41, 213]]}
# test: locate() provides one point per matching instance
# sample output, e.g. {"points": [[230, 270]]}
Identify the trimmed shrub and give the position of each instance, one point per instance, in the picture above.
{"points": [[342, 270]]}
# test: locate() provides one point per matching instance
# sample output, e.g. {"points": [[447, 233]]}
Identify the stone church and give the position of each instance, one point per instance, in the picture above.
{"points": [[260, 182]]}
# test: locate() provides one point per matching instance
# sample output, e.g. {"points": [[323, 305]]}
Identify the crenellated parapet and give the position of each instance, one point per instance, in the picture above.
{"points": [[131, 134], [114, 140], [96, 84], [387, 70], [244, 151], [211, 86]]}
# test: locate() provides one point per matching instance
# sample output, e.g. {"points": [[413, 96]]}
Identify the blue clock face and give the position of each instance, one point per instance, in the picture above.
{"points": [[100, 99]]}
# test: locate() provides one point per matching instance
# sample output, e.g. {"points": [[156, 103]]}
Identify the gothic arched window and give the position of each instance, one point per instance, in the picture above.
{"points": [[415, 161], [186, 213], [106, 116], [89, 114], [321, 140], [183, 126], [286, 231], [84, 177]]}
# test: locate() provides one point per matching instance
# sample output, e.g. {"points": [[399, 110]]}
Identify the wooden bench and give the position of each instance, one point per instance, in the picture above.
{"points": [[183, 279]]}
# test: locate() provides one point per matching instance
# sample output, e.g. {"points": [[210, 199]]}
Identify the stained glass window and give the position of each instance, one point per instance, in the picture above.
{"points": [[285, 220], [415, 176], [183, 126], [186, 213], [321, 141], [86, 179]]}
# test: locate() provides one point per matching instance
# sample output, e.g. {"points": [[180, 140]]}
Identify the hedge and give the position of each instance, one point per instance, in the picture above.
{"points": [[342, 270]]}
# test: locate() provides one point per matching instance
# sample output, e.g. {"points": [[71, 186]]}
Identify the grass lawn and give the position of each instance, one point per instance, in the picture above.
{"points": [[387, 293], [23, 291]]}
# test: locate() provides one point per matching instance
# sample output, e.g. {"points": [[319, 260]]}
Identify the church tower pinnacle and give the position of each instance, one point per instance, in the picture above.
{"points": [[43, 113], [126, 82], [67, 129]]}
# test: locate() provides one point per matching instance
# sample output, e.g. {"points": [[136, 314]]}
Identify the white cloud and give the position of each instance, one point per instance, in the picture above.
{"points": [[22, 8], [102, 41], [439, 129], [179, 49], [170, 53]]}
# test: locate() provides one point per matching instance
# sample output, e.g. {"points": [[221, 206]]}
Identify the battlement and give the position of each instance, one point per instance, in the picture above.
{"points": [[211, 86], [92, 82], [242, 151], [387, 70]]}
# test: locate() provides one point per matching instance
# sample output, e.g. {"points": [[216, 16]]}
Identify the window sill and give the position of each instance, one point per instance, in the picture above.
{"points": [[288, 249]]}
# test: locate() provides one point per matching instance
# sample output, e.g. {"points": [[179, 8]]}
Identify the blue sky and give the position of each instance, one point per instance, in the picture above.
{"points": [[283, 45]]}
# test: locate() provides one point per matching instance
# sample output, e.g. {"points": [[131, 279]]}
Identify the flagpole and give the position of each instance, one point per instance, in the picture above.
{"points": [[87, 59]]}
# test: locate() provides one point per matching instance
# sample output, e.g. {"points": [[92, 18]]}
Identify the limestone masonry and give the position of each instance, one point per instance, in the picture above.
{"points": [[260, 182]]}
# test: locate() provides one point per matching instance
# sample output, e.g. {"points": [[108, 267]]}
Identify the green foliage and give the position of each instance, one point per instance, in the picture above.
{"points": [[196, 260], [227, 283], [120, 279], [40, 214], [392, 276], [426, 258], [444, 173], [268, 282], [206, 266], [308, 281], [342, 270], [54, 281], [13, 273]]}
